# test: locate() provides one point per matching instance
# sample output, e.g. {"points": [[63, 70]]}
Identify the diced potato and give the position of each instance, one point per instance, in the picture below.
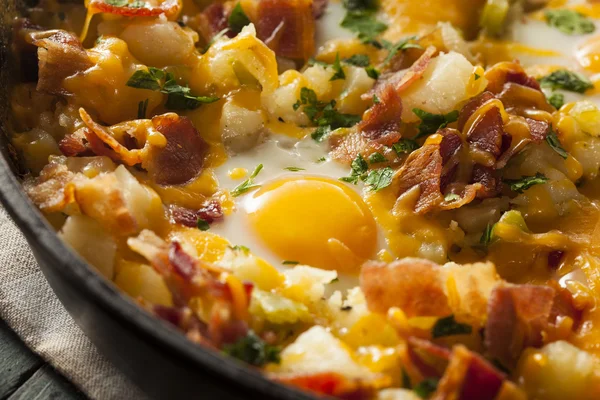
{"points": [[241, 129], [170, 44], [87, 237], [357, 83], [444, 85], [36, 146], [142, 281], [306, 284], [559, 371], [319, 79], [250, 268], [90, 166], [317, 350], [280, 104], [587, 116], [277, 309]]}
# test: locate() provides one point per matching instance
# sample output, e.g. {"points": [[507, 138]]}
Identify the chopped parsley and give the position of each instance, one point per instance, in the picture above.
{"points": [[337, 67], [426, 387], [554, 142], [376, 99], [486, 237], [569, 21], [238, 19], [431, 123], [142, 108], [322, 114], [364, 23], [372, 72], [137, 4], [322, 160], [253, 350], [567, 80], [359, 169], [521, 185], [405, 146], [360, 4], [448, 326], [294, 169], [406, 384], [402, 45], [288, 262], [380, 178], [477, 76], [179, 97], [556, 100], [377, 158], [451, 197], [202, 225], [358, 60], [248, 184]]}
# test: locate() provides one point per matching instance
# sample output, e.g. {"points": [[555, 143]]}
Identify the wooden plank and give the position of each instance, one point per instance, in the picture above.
{"points": [[47, 384], [17, 362]]}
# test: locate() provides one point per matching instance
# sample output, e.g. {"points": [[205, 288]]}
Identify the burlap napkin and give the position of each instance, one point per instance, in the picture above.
{"points": [[30, 308]]}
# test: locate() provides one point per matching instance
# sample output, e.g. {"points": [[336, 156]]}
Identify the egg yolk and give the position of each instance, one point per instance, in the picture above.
{"points": [[314, 221]]}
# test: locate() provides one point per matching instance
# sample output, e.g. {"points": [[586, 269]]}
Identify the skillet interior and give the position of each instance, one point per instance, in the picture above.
{"points": [[159, 359]]}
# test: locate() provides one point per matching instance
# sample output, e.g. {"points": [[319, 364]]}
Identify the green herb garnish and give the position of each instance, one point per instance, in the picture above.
{"points": [[364, 23], [448, 326], [431, 123], [358, 60], [288, 262], [486, 237], [294, 169], [379, 178], [554, 142], [116, 3], [202, 225], [253, 350], [521, 185], [556, 100], [426, 387], [405, 146], [567, 80], [238, 19], [377, 158], [337, 67], [402, 45], [248, 184], [570, 22], [142, 108], [451, 197], [238, 247]]}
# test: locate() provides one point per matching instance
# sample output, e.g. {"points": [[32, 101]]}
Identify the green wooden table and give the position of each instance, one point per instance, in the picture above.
{"points": [[25, 376]]}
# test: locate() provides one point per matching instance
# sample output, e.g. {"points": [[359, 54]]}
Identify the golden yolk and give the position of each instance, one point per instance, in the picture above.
{"points": [[315, 221], [588, 55]]}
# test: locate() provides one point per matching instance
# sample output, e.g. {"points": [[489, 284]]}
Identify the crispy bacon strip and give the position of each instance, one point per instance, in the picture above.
{"points": [[411, 284], [213, 19], [328, 384], [75, 144], [401, 80], [53, 189], [430, 359], [182, 159], [168, 7], [506, 72], [538, 129], [61, 55], [469, 377], [517, 316], [382, 121], [286, 26], [210, 212]]}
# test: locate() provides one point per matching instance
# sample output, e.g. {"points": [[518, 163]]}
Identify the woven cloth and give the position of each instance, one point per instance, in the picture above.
{"points": [[30, 308]]}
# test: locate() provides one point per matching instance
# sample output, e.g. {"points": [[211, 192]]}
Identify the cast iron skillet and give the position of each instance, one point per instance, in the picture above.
{"points": [[159, 359]]}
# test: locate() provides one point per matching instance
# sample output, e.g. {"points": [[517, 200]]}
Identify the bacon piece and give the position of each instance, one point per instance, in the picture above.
{"points": [[168, 7], [210, 212], [287, 27], [489, 180], [75, 144], [53, 189], [505, 72], [348, 147], [401, 80], [469, 377], [185, 320], [61, 55], [213, 20], [472, 105], [382, 121], [423, 168], [517, 316], [412, 284], [328, 384], [539, 129], [182, 159], [564, 305], [430, 359], [486, 133], [515, 96]]}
